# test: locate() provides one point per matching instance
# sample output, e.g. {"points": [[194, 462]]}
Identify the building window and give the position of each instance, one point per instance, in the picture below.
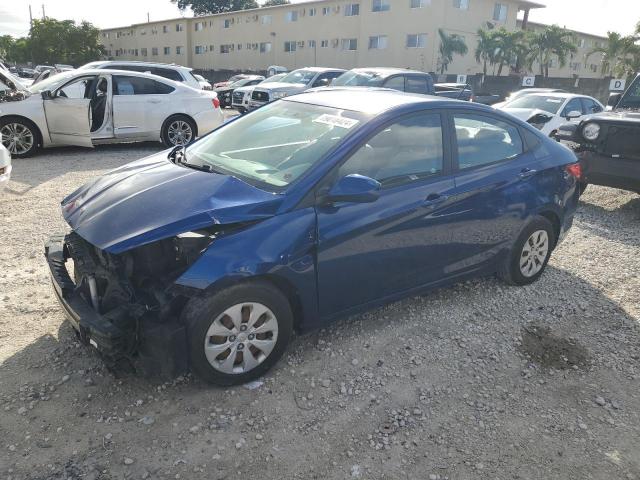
{"points": [[224, 49], [290, 46], [461, 4], [199, 49], [179, 50], [154, 51], [378, 42], [165, 29], [265, 19], [292, 16], [352, 9], [582, 43], [144, 52], [417, 40], [239, 46], [167, 50], [265, 47], [143, 32], [312, 12], [500, 12], [324, 43], [179, 27], [349, 44], [211, 48], [226, 23], [380, 6], [312, 43], [326, 11], [199, 26], [420, 3]]}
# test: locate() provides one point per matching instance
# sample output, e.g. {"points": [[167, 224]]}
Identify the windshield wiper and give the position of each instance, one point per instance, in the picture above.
{"points": [[179, 156]]}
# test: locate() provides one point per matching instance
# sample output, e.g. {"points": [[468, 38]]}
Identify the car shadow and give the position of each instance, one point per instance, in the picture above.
{"points": [[49, 164], [618, 223]]}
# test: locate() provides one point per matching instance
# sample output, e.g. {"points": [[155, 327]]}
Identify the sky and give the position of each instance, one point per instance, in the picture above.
{"points": [[592, 16]]}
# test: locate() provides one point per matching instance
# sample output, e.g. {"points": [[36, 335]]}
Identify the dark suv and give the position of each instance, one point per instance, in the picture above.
{"points": [[608, 143]]}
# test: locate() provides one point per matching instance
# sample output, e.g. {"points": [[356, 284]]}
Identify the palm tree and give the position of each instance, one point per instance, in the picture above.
{"points": [[486, 49], [615, 53], [547, 43], [509, 47], [450, 45]]}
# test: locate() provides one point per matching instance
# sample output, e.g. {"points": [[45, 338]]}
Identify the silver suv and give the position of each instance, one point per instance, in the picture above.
{"points": [[174, 72], [294, 82]]}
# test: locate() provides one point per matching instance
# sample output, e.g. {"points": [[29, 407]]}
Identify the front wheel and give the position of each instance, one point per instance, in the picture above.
{"points": [[19, 136], [529, 254], [237, 334], [178, 131]]}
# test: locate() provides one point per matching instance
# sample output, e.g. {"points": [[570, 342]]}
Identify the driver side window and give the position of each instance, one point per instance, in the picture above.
{"points": [[77, 89], [404, 152], [573, 106]]}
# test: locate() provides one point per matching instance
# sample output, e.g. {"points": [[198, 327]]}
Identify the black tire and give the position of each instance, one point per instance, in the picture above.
{"points": [[165, 135], [200, 313], [31, 127], [510, 271]]}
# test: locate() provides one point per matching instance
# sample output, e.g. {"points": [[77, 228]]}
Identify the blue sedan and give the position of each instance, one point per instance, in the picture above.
{"points": [[321, 205]]}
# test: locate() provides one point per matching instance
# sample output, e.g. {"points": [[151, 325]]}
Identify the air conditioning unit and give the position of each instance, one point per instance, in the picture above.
{"points": [[301, 44]]}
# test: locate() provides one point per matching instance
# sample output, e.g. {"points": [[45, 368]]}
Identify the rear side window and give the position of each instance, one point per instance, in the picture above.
{"points": [[590, 106], [167, 73], [404, 152], [483, 140], [123, 85], [417, 84], [396, 83]]}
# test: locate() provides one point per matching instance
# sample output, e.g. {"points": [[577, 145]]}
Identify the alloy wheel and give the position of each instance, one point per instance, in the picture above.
{"points": [[534, 253], [180, 133], [17, 138], [241, 338]]}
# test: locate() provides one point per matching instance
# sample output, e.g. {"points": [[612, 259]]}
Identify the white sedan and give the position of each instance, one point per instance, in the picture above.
{"points": [[90, 107], [547, 111], [5, 166]]}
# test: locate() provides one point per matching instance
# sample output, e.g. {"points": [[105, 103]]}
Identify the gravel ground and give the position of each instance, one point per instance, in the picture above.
{"points": [[476, 381]]}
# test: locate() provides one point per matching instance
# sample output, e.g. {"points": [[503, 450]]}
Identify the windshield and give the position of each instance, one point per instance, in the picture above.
{"points": [[548, 104], [299, 76], [242, 82], [360, 78], [51, 83], [276, 144], [631, 98]]}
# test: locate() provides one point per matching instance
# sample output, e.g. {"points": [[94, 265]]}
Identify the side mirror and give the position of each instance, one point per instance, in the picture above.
{"points": [[354, 188], [324, 82], [46, 94], [573, 114], [614, 98]]}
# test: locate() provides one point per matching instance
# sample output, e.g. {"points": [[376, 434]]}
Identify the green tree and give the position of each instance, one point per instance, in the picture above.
{"points": [[616, 53], [545, 44], [486, 49], [509, 47], [450, 45], [63, 41], [273, 3], [204, 7]]}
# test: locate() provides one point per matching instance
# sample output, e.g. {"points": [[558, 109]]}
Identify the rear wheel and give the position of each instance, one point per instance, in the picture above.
{"points": [[178, 130], [19, 136], [239, 333], [529, 254]]}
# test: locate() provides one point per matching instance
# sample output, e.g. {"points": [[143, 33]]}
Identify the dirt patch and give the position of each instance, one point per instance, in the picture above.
{"points": [[552, 351]]}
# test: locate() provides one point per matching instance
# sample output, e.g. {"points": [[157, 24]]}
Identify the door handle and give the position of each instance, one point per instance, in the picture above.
{"points": [[434, 199], [153, 101], [527, 172]]}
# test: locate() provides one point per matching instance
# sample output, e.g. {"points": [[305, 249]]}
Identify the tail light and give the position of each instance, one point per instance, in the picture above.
{"points": [[216, 102], [575, 170]]}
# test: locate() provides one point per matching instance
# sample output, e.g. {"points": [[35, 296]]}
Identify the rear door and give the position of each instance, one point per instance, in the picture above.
{"points": [[496, 181], [68, 112], [139, 106]]}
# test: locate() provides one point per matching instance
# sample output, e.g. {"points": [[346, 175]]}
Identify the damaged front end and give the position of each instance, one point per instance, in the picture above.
{"points": [[126, 305]]}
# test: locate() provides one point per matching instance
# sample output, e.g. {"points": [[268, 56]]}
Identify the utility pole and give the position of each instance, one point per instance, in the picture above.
{"points": [[43, 14], [30, 17], [148, 20]]}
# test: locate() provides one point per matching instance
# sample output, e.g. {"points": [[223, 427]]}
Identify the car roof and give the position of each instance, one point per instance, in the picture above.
{"points": [[556, 94], [372, 100], [320, 69], [115, 71], [386, 70], [142, 64]]}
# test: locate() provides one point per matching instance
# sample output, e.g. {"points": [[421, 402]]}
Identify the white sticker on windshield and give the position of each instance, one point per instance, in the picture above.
{"points": [[336, 121]]}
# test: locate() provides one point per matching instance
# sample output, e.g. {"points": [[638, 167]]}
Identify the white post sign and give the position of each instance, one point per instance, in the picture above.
{"points": [[462, 79], [528, 81], [617, 85]]}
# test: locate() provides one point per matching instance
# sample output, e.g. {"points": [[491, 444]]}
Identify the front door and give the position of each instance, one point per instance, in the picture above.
{"points": [[68, 113], [370, 251]]}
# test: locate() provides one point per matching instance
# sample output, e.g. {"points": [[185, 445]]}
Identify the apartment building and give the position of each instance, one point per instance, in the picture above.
{"points": [[581, 63], [332, 33]]}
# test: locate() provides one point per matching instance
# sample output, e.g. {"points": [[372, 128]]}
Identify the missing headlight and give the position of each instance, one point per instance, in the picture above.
{"points": [[190, 245], [539, 120]]}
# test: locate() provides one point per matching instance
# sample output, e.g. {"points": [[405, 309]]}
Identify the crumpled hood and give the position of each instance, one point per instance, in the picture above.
{"points": [[152, 199], [283, 87], [525, 114]]}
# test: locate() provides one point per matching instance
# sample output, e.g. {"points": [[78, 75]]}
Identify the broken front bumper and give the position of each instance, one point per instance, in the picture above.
{"points": [[92, 327]]}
